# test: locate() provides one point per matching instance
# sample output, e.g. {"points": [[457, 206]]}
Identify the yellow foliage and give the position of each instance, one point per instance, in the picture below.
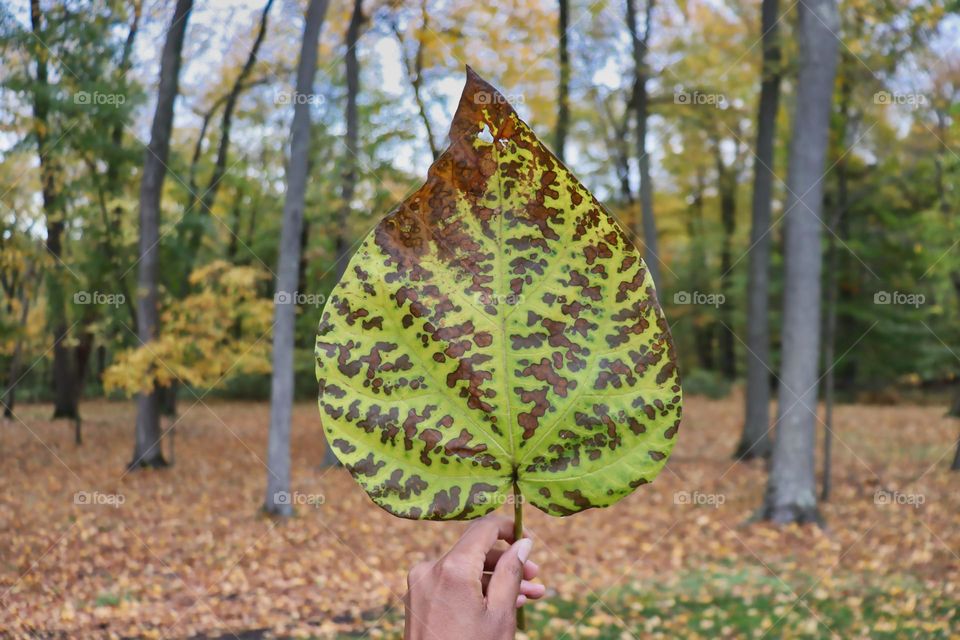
{"points": [[219, 330]]}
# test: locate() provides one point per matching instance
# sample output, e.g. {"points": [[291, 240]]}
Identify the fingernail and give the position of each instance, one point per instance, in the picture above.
{"points": [[521, 600], [523, 549]]}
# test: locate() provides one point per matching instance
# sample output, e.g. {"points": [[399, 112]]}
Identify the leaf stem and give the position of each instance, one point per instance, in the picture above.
{"points": [[517, 534]]}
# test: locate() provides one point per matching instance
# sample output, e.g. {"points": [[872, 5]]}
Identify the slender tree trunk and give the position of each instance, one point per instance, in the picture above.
{"points": [[352, 140], [415, 75], [563, 88], [277, 500], [167, 399], [65, 405], [147, 451], [13, 376], [755, 440], [727, 183], [832, 284], [791, 489], [829, 339], [236, 216], [641, 106], [352, 144], [81, 361], [126, 63], [201, 203], [618, 144], [703, 332]]}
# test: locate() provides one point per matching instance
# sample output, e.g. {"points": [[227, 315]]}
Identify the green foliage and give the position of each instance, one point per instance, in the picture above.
{"points": [[703, 382]]}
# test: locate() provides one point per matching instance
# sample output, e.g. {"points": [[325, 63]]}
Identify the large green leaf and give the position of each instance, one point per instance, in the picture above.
{"points": [[498, 325]]}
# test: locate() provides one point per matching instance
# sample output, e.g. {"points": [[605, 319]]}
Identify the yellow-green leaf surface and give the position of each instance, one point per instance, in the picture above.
{"points": [[498, 325]]}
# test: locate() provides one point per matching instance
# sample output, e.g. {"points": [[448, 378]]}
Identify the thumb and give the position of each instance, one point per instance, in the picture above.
{"points": [[505, 582]]}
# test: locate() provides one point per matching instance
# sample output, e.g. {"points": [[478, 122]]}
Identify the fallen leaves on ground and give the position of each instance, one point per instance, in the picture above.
{"points": [[89, 550]]}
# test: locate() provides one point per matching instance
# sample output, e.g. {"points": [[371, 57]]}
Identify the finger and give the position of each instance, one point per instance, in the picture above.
{"points": [[505, 583], [532, 590], [481, 536], [530, 568], [521, 600]]}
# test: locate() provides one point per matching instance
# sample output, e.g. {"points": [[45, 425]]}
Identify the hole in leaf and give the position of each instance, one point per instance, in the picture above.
{"points": [[486, 135]]}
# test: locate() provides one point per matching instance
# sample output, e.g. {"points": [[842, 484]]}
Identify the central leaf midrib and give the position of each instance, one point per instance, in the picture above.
{"points": [[501, 259]]}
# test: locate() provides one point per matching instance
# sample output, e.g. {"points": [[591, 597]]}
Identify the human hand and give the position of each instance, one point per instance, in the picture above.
{"points": [[453, 599]]}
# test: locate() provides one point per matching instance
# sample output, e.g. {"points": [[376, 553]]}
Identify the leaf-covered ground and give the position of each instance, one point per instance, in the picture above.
{"points": [[87, 550]]}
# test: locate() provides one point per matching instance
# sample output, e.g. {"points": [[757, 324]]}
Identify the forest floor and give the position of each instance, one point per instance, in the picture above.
{"points": [[89, 550]]}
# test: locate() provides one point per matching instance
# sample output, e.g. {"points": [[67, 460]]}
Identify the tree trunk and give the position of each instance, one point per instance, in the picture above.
{"points": [[829, 339], [81, 361], [64, 407], [277, 500], [167, 399], [202, 203], [703, 332], [832, 284], [351, 116], [791, 489], [563, 88], [147, 451], [939, 164], [13, 376], [755, 440], [727, 187], [415, 75], [641, 108]]}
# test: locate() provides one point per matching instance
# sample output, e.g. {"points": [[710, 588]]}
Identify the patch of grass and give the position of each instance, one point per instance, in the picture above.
{"points": [[747, 604], [110, 599]]}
